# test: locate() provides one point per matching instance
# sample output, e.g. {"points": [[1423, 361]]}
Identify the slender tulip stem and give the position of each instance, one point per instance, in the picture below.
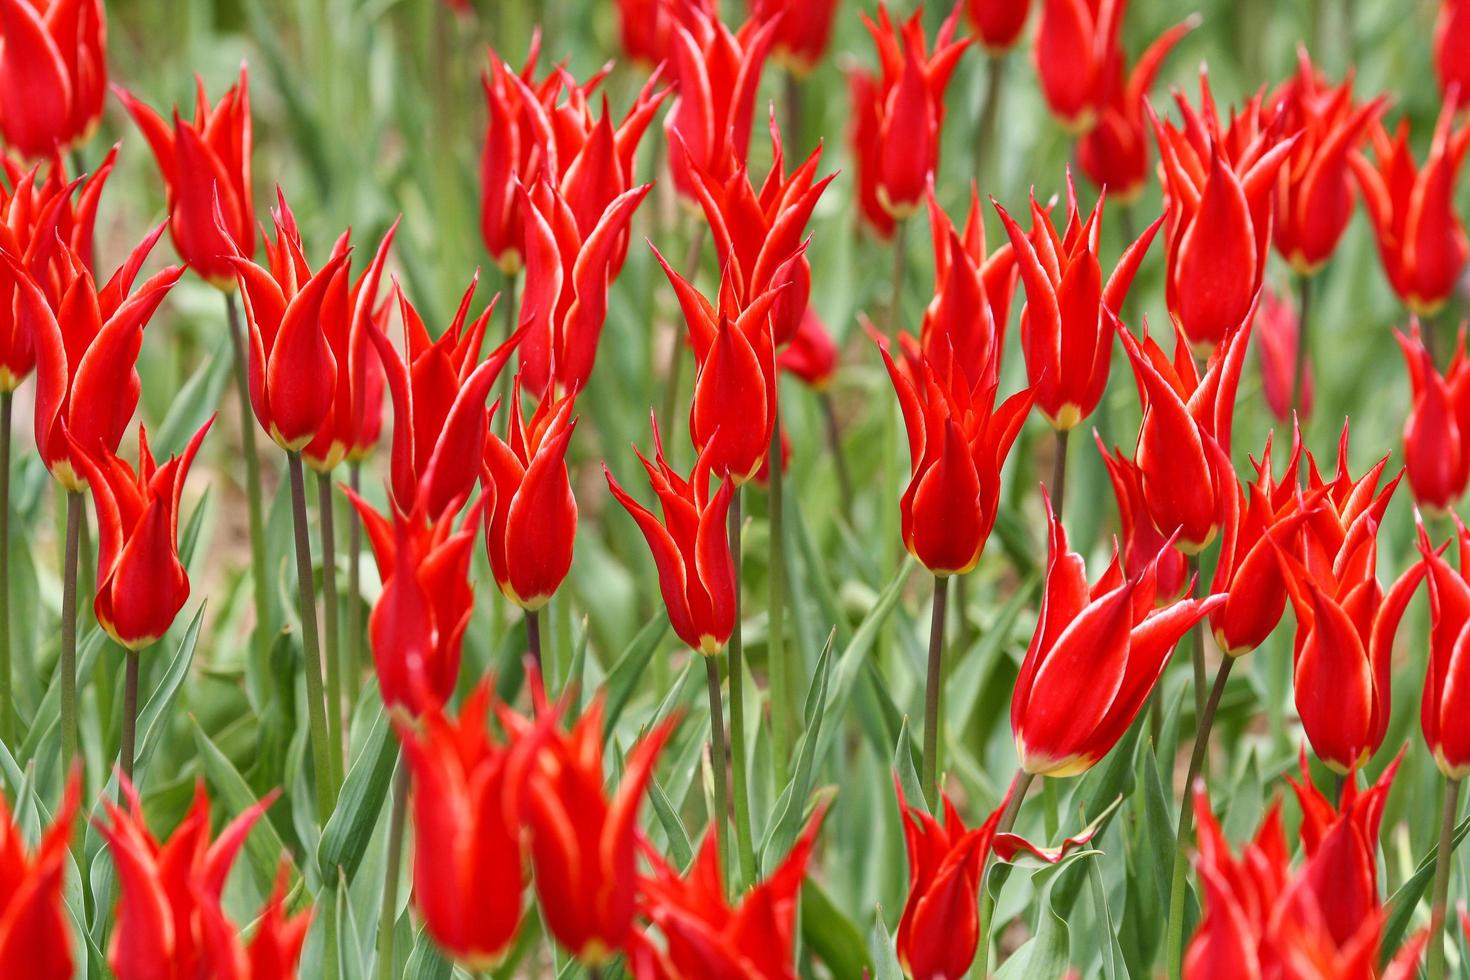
{"points": [[744, 842], [1177, 887], [321, 753], [533, 642], [1020, 783], [784, 668], [130, 715], [721, 817], [674, 369], [1197, 661], [995, 76], [1436, 960], [1058, 488], [795, 116], [839, 460], [1303, 342], [933, 690], [387, 918], [259, 571], [900, 268], [326, 522], [7, 691], [68, 665], [352, 657]]}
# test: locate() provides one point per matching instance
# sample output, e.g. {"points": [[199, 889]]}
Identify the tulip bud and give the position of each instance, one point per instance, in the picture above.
{"points": [[1076, 41], [803, 32], [1437, 430], [1444, 709], [998, 23], [1278, 331], [1452, 46]]}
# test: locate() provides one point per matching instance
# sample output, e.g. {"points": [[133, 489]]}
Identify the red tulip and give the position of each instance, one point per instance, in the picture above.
{"points": [[704, 935], [718, 71], [567, 278], [53, 73], [1278, 331], [1184, 442], [170, 915], [1065, 334], [1142, 544], [583, 844], [734, 408], [1437, 430], [811, 356], [1218, 184], [275, 949], [1314, 191], [1114, 151], [696, 572], [804, 30], [899, 114], [998, 23], [141, 585], [958, 442], [439, 388], [1452, 46], [417, 625], [1443, 710], [530, 514], [758, 235], [205, 164], [87, 384], [1076, 44], [1420, 238], [1096, 655], [35, 928], [646, 27], [469, 804]]}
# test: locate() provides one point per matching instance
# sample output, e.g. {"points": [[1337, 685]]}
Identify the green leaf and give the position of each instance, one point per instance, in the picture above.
{"points": [[681, 851], [426, 962], [153, 719], [623, 679], [831, 935], [792, 803], [1112, 955], [1402, 902], [903, 764], [1047, 953], [195, 400], [883, 952], [346, 836], [264, 847]]}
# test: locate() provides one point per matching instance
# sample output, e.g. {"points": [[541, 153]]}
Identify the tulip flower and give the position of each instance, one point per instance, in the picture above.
{"points": [[718, 72], [417, 625], [757, 235], [469, 801], [170, 910], [1075, 51], [1314, 190], [803, 32], [811, 357], [1184, 442], [1096, 655], [1452, 46], [205, 164], [998, 23], [899, 113], [439, 388], [733, 412], [1437, 430], [567, 278], [1443, 707], [583, 844], [646, 27], [705, 935], [1113, 153], [1420, 237], [696, 572], [1142, 544], [1278, 332], [35, 928], [530, 514], [1065, 334], [53, 73]]}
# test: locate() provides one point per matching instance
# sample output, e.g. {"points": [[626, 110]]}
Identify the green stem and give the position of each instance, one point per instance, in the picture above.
{"points": [[783, 667], [1303, 341], [675, 367], [1177, 887], [839, 461], [7, 692], [933, 690], [387, 918], [744, 842], [321, 754], [130, 716], [1020, 782], [533, 643], [1051, 807], [794, 114], [68, 665], [995, 76], [1436, 970], [259, 572], [1058, 488], [1197, 660], [900, 266], [330, 649], [719, 820], [352, 656]]}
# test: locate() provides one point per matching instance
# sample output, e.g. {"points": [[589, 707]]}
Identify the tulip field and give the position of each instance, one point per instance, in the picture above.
{"points": [[738, 489]]}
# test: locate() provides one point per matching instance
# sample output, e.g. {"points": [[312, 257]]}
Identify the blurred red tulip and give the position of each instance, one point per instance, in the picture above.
{"points": [[1142, 545], [1444, 710], [899, 114], [998, 23], [1314, 190], [811, 356], [418, 622], [530, 513], [1278, 331], [1452, 46], [958, 441], [87, 384], [1113, 153], [1184, 440], [1420, 238], [1065, 331], [646, 27], [53, 73], [704, 935], [1437, 429], [439, 388], [1096, 655], [804, 30], [141, 584], [1075, 49], [205, 164], [696, 572], [469, 804], [35, 927], [171, 909], [568, 272]]}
